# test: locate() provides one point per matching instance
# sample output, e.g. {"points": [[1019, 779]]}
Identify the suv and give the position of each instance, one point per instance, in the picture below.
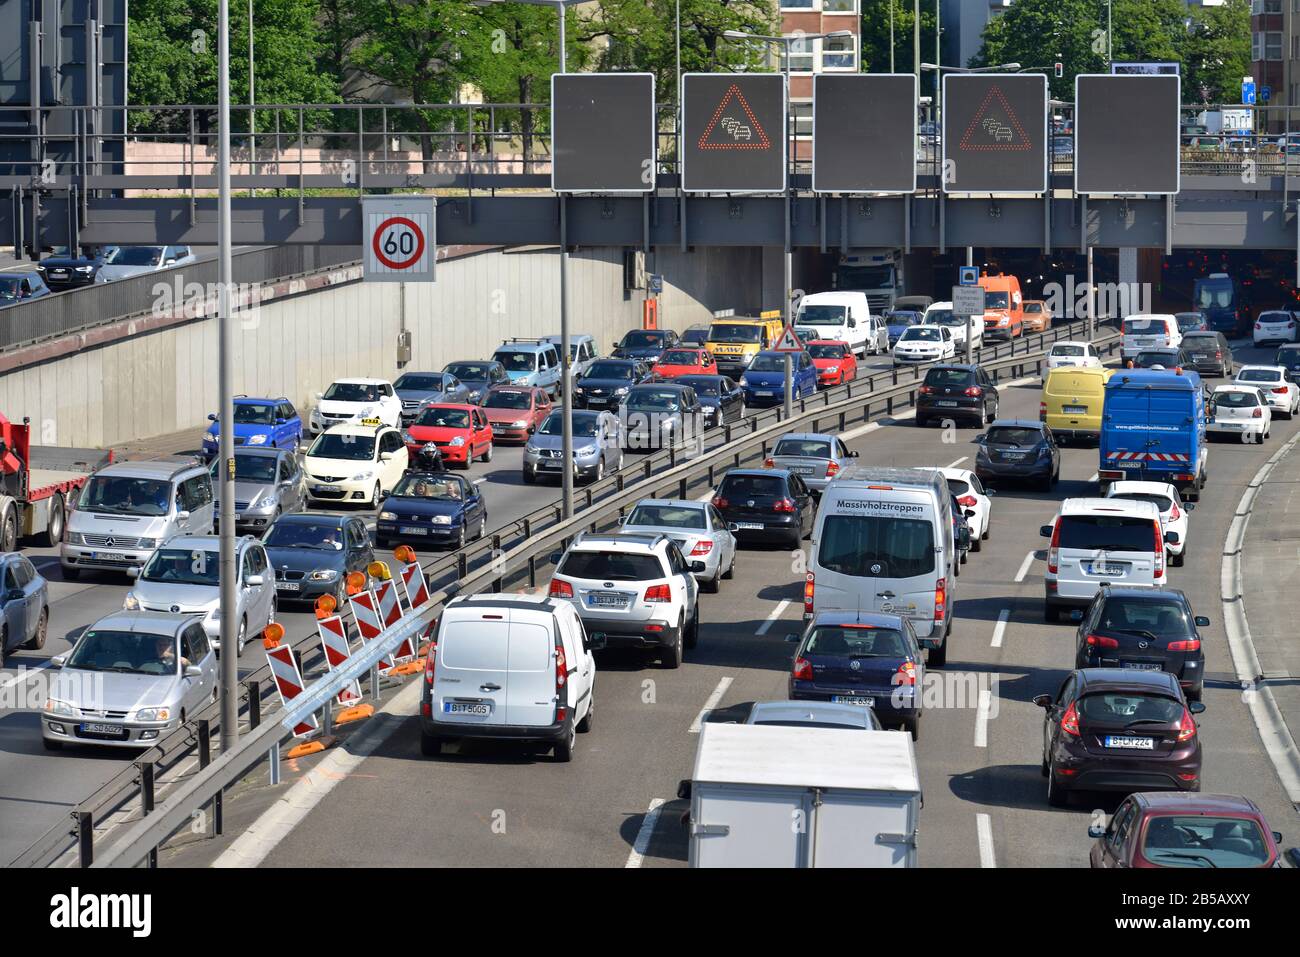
{"points": [[183, 578], [634, 591], [957, 391], [533, 362], [1144, 629], [603, 384], [127, 509]]}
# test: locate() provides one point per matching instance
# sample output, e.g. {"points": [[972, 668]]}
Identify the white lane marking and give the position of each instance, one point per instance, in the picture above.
{"points": [[984, 830], [777, 612], [953, 465], [642, 843], [982, 718], [1003, 616], [860, 431], [24, 675], [1024, 567], [710, 704]]}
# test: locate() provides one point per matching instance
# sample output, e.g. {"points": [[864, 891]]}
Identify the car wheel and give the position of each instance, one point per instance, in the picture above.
{"points": [[671, 657], [53, 533], [42, 628], [374, 497], [712, 585], [693, 631], [460, 537], [9, 530], [976, 543], [922, 423], [563, 750], [1176, 560], [600, 469], [730, 573], [243, 637], [1045, 768], [482, 527], [430, 745], [487, 456], [1056, 796], [938, 657]]}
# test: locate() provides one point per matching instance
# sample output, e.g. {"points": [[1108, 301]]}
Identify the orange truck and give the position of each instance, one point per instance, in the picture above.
{"points": [[37, 484], [1004, 307]]}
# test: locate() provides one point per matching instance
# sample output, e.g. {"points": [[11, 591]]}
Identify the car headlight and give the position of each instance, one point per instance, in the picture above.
{"points": [[252, 502], [214, 613], [1004, 322], [257, 440], [360, 476], [441, 519], [153, 714], [73, 538], [474, 396], [85, 269], [588, 450], [326, 574], [148, 543], [130, 602], [62, 708], [457, 441], [388, 516], [744, 382], [623, 390], [520, 424]]}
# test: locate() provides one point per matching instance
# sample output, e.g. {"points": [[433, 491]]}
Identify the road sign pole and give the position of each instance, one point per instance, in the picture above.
{"points": [[1092, 300], [789, 384], [970, 324], [566, 393]]}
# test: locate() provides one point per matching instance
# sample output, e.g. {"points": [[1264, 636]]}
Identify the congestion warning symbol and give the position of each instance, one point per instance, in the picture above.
{"points": [[734, 125], [995, 126]]}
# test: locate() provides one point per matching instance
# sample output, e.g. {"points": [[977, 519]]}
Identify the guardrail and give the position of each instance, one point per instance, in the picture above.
{"points": [[520, 563]]}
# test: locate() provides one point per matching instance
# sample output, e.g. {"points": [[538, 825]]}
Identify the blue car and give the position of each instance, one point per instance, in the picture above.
{"points": [[24, 605], [897, 321], [866, 659], [429, 507], [764, 380], [259, 422]]}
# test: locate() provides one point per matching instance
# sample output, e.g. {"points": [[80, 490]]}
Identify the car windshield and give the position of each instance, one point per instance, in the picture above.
{"points": [[137, 256], [1162, 502], [507, 400], [654, 401], [919, 334], [770, 363], [902, 319], [517, 361], [250, 468], [948, 377], [584, 426], [1194, 341], [667, 516], [870, 546], [1144, 327], [325, 535], [1111, 533], [1013, 435], [254, 413], [610, 370], [751, 486], [995, 300], [1149, 360], [1235, 400], [696, 337], [1164, 619], [734, 332], [703, 385], [680, 357], [611, 566], [819, 315], [419, 382], [1067, 350], [1129, 707], [944, 317], [643, 339], [810, 448], [424, 486], [332, 445], [128, 652], [351, 392], [435, 417], [468, 371], [856, 641], [1258, 375], [1033, 307], [827, 351], [182, 566], [122, 495], [1201, 840]]}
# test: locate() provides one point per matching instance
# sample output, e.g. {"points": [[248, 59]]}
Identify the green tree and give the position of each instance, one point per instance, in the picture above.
{"points": [[1217, 53], [875, 36]]}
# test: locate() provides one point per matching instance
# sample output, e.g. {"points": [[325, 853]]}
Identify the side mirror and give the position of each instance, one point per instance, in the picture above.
{"points": [[555, 557], [1196, 707], [969, 513], [385, 456], [182, 515], [979, 439], [193, 671], [254, 580], [14, 595], [684, 790], [1171, 538], [281, 421], [1201, 621], [212, 416], [733, 527], [597, 642], [1045, 531], [853, 453], [1042, 700], [1096, 830], [132, 572], [1076, 615], [1190, 506], [58, 660], [698, 566]]}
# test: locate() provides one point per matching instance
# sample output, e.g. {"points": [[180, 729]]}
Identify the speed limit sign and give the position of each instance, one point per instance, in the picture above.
{"points": [[399, 238]]}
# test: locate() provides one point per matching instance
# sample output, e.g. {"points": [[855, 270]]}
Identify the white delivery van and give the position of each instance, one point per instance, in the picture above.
{"points": [[513, 667], [842, 317], [883, 541], [774, 796], [1102, 541]]}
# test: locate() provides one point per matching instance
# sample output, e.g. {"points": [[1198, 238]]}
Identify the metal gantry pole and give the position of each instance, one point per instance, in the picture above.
{"points": [[566, 399], [1092, 300], [916, 41], [970, 320], [252, 114], [225, 404], [787, 280]]}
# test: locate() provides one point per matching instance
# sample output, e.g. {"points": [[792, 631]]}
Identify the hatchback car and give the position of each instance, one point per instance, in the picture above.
{"points": [[1192, 322], [24, 605], [432, 507], [645, 344], [923, 343], [1018, 449], [766, 505], [1073, 354], [721, 399], [1208, 353], [1274, 325], [764, 378], [460, 432], [1178, 829], [698, 528], [1108, 729], [597, 447], [816, 457], [268, 483], [477, 377], [973, 500], [1174, 512], [418, 389], [607, 381], [311, 554], [1239, 410], [1170, 359], [1144, 629], [835, 362], [1276, 383], [131, 678], [957, 392], [259, 422], [680, 361], [1038, 317], [514, 413], [865, 659]]}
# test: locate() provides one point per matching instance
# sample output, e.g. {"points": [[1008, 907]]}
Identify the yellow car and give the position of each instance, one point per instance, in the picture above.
{"points": [[735, 342], [1072, 401], [357, 464]]}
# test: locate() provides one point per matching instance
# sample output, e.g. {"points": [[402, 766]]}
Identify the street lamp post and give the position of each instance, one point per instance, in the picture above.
{"points": [[225, 400]]}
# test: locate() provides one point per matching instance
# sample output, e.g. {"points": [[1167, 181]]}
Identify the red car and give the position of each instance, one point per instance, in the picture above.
{"points": [[514, 412], [834, 361], [1185, 829], [680, 361], [461, 432]]}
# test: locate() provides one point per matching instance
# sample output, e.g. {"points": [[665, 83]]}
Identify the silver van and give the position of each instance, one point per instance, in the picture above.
{"points": [[127, 509], [884, 541]]}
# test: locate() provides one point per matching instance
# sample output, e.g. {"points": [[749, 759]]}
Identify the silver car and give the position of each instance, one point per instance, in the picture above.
{"points": [[814, 456], [698, 528], [418, 389], [657, 415], [131, 678], [597, 448], [182, 579], [268, 483]]}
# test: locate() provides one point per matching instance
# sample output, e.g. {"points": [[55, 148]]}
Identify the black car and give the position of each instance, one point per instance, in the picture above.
{"points": [[1288, 357], [1109, 729], [1144, 629], [311, 554], [956, 392], [68, 272], [1208, 353], [1192, 322], [645, 344], [478, 376], [19, 287], [766, 505], [1162, 358], [1018, 449], [607, 381], [720, 397]]}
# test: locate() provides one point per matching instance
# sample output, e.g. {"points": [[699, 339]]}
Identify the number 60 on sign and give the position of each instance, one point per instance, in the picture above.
{"points": [[398, 238]]}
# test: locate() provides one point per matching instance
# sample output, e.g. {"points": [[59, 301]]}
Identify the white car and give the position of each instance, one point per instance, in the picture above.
{"points": [[356, 464], [1083, 355], [1277, 385], [923, 343], [972, 497], [129, 261], [1274, 325], [1240, 410], [348, 401], [1173, 513], [940, 314]]}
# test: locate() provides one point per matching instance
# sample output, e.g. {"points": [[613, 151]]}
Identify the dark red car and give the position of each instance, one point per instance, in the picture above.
{"points": [[515, 411], [1177, 829]]}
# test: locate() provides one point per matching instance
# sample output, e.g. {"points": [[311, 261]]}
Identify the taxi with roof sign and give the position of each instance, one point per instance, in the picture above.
{"points": [[357, 464]]}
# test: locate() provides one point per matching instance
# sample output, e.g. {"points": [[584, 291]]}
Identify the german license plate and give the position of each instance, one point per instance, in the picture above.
{"points": [[110, 730], [412, 530], [327, 488], [766, 392], [479, 709], [1127, 465], [1074, 409], [1013, 456], [1125, 743], [854, 699], [802, 470], [1098, 568], [1140, 665], [947, 403], [288, 586], [1199, 357], [607, 601], [109, 556], [753, 525]]}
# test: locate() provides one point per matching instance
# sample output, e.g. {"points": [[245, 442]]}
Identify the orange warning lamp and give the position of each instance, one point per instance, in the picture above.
{"points": [[356, 583], [404, 554], [379, 570], [325, 606], [272, 635]]}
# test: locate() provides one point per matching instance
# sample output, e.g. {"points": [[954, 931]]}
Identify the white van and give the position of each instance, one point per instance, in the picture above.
{"points": [[508, 667], [842, 317], [1149, 331], [884, 541], [1102, 541]]}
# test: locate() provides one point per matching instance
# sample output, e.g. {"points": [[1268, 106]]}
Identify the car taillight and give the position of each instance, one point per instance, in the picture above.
{"points": [[1160, 551], [1258, 413], [1174, 514], [1281, 391], [429, 665], [809, 585], [720, 502], [1042, 412], [1218, 354], [802, 670], [832, 469], [940, 599], [973, 391], [783, 505], [768, 463], [926, 390], [561, 589], [658, 593], [1186, 727], [1101, 641], [1070, 721], [906, 674], [968, 501], [1185, 644], [1054, 548], [702, 548], [1258, 326], [561, 667]]}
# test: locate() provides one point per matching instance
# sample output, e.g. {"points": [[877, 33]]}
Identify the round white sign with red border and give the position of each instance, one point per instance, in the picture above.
{"points": [[399, 243]]}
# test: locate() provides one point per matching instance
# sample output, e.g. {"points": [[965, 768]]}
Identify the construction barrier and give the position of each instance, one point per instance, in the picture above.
{"points": [[288, 681], [334, 640], [365, 609]]}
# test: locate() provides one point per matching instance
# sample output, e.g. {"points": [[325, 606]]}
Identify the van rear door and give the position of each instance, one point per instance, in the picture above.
{"points": [[1124, 429], [1172, 417], [531, 663], [472, 669]]}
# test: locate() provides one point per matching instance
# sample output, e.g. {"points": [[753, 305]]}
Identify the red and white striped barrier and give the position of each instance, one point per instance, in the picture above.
{"points": [[417, 592], [288, 681], [390, 613], [334, 640], [365, 609]]}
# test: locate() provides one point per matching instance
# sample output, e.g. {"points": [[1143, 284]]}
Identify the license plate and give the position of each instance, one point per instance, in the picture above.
{"points": [[115, 730], [607, 601], [1130, 744], [288, 586], [1074, 409], [1095, 569], [947, 403], [1127, 465], [802, 470], [1199, 357], [854, 699], [767, 392], [1230, 425], [1013, 456], [412, 530], [109, 556], [327, 488], [480, 709], [1140, 665], [748, 525]]}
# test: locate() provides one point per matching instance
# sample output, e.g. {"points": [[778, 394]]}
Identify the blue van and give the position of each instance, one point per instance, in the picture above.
{"points": [[1153, 430]]}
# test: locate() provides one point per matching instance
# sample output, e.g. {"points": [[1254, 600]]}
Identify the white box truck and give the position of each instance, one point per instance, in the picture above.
{"points": [[771, 796]]}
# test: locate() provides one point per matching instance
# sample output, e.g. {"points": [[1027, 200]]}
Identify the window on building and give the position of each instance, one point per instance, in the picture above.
{"points": [[796, 4], [1272, 6], [1273, 45], [839, 6], [802, 54], [1256, 47], [839, 53]]}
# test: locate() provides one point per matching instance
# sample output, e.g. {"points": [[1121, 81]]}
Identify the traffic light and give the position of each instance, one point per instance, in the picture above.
{"points": [[1060, 69]]}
